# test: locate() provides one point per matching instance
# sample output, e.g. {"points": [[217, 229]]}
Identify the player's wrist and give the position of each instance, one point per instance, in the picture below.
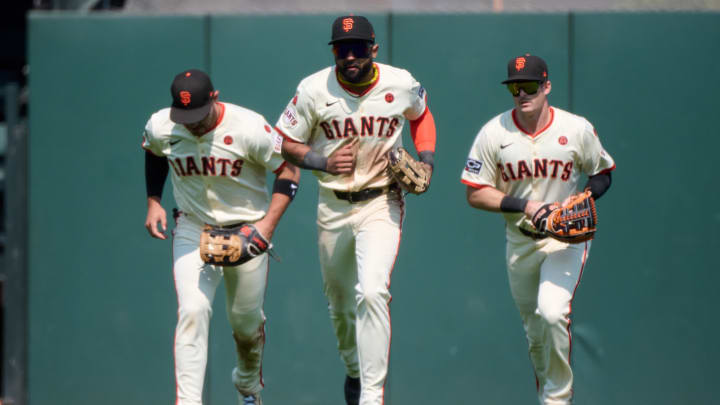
{"points": [[427, 157], [314, 161], [513, 204]]}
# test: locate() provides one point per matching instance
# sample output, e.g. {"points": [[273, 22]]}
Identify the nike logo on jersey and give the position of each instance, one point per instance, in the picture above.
{"points": [[173, 143], [505, 146], [328, 104]]}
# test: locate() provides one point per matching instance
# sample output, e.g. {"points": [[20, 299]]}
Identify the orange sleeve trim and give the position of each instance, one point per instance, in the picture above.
{"points": [[287, 138], [148, 150], [423, 132], [474, 185], [279, 169], [606, 170]]}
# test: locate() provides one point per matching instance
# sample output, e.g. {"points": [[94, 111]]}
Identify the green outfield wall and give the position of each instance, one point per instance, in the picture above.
{"points": [[102, 303]]}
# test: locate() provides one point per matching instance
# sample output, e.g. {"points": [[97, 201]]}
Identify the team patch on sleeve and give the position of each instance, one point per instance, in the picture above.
{"points": [[289, 116], [473, 166], [421, 92], [277, 142]]}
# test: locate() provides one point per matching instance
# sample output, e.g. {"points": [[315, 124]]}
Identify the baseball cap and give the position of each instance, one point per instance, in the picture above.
{"points": [[352, 27], [525, 68], [192, 95]]}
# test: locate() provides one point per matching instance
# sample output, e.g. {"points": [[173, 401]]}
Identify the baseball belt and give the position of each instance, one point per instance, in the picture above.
{"points": [[532, 235], [365, 194]]}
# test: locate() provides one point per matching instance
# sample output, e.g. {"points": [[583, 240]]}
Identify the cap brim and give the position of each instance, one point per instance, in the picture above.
{"points": [[183, 116], [522, 78], [351, 38]]}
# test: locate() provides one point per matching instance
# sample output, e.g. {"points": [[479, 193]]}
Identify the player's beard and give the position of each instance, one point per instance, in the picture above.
{"points": [[359, 75]]}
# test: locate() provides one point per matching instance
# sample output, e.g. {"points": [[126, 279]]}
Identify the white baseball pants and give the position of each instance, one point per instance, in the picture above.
{"points": [[543, 276], [358, 245], [195, 283]]}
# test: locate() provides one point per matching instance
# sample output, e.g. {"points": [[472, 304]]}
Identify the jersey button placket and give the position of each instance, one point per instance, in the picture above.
{"points": [[202, 150], [534, 180]]}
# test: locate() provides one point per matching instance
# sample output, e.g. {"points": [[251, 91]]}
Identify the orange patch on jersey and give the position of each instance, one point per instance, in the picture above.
{"points": [[294, 101], [562, 140], [348, 24], [267, 128], [389, 97], [228, 140], [520, 63], [185, 97]]}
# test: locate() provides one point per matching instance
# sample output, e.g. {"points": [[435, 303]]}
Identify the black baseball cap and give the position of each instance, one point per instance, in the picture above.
{"points": [[526, 68], [352, 27], [192, 93]]}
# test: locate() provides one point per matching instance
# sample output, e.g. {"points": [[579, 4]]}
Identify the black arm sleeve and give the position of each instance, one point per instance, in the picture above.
{"points": [[156, 171], [599, 184]]}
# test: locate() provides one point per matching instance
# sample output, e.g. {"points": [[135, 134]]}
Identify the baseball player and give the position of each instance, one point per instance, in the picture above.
{"points": [[341, 123], [219, 154], [522, 159]]}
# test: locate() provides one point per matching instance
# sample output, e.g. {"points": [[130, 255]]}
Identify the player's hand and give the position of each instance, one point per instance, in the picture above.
{"points": [[156, 214], [532, 207], [342, 161], [265, 227], [428, 168]]}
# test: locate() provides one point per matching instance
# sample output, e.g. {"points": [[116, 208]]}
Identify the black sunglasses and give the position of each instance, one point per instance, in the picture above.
{"points": [[528, 87], [359, 49]]}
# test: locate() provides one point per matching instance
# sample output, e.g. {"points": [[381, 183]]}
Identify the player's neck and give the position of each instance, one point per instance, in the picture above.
{"points": [[533, 121], [363, 83], [210, 121]]}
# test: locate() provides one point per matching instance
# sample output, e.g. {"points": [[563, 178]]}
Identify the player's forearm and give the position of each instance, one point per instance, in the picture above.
{"points": [[284, 189], [485, 198], [423, 133], [599, 184], [302, 156], [156, 171]]}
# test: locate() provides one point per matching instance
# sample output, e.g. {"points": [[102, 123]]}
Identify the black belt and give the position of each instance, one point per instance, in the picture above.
{"points": [[364, 195], [532, 235]]}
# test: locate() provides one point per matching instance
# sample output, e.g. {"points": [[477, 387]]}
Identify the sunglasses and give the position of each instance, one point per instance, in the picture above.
{"points": [[528, 87], [359, 49]]}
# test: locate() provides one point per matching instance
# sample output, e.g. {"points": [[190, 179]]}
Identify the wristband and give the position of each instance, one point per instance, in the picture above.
{"points": [[513, 204], [428, 157], [314, 161], [285, 186]]}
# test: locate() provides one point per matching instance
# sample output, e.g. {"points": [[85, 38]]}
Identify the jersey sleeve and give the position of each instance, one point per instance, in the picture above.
{"points": [[480, 167], [418, 100], [150, 141], [298, 119], [265, 147], [594, 159]]}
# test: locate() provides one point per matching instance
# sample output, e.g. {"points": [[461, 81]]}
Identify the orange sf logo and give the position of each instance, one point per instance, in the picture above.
{"points": [[348, 24], [519, 63], [185, 97]]}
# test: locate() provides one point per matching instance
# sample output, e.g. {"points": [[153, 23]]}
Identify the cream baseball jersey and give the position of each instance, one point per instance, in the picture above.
{"points": [[220, 176], [544, 167], [325, 116]]}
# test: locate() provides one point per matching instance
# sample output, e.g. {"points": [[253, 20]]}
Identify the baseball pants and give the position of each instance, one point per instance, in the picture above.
{"points": [[543, 276], [195, 283], [358, 246]]}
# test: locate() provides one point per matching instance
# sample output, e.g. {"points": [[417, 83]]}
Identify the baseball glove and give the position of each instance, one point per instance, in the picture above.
{"points": [[412, 176], [574, 222], [231, 246]]}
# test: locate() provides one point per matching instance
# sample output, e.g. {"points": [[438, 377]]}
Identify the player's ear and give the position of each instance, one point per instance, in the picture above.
{"points": [[215, 94], [547, 87], [374, 50]]}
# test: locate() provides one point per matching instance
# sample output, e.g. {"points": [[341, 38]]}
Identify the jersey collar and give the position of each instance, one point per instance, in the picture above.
{"points": [[353, 92], [517, 123]]}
